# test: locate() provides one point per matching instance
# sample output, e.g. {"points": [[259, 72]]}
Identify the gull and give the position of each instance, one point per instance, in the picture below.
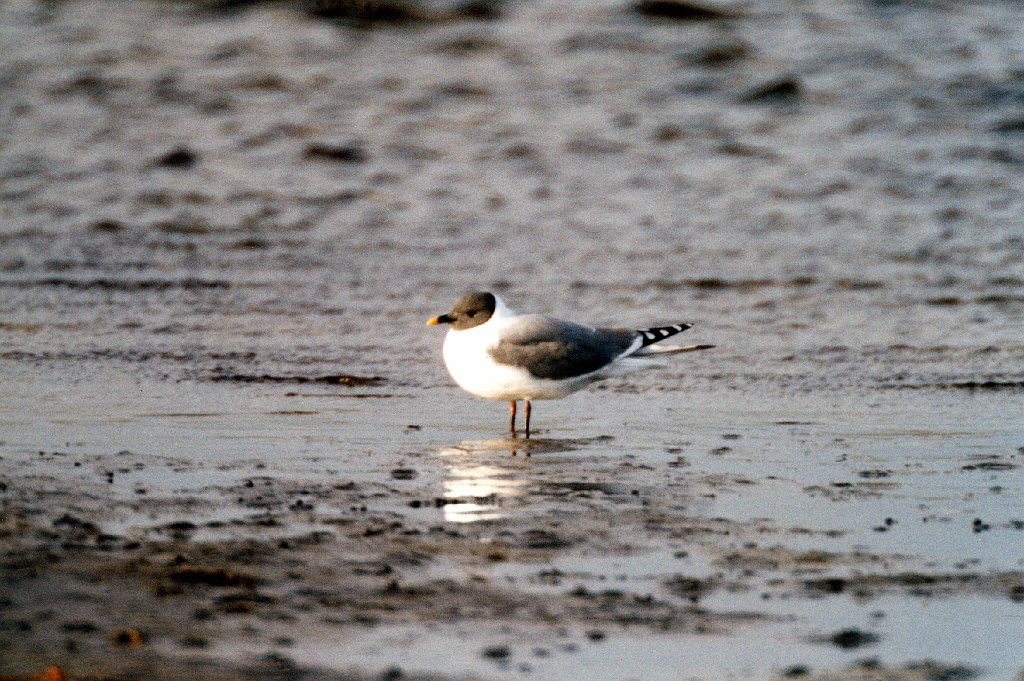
{"points": [[496, 353]]}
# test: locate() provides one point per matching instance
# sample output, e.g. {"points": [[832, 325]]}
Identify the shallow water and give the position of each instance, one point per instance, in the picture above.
{"points": [[802, 493]]}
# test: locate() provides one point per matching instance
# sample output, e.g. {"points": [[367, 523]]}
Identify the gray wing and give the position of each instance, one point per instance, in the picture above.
{"points": [[556, 349]]}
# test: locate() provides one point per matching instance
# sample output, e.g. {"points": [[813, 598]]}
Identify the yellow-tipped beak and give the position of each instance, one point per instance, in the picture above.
{"points": [[440, 319]]}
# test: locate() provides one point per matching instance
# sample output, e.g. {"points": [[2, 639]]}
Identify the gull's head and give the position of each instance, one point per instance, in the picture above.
{"points": [[472, 309]]}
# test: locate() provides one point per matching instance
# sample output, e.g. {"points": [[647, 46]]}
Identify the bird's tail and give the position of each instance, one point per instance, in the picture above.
{"points": [[660, 333], [657, 334]]}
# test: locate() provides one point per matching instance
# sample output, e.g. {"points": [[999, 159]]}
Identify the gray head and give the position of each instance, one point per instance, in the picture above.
{"points": [[472, 309]]}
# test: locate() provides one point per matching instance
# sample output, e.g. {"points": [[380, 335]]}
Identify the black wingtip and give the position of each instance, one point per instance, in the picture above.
{"points": [[659, 333]]}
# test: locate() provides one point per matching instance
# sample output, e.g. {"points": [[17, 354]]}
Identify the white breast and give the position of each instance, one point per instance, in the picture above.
{"points": [[468, 361]]}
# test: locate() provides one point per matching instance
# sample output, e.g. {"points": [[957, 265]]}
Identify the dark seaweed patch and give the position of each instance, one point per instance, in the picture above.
{"points": [[679, 10], [329, 379], [785, 90], [212, 577], [970, 386], [848, 639], [339, 153], [712, 284], [396, 12], [716, 55], [376, 12], [826, 585], [690, 588], [989, 466], [181, 158], [1010, 126], [188, 284], [354, 396]]}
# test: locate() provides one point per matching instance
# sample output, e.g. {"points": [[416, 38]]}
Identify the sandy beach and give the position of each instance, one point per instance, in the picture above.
{"points": [[228, 445]]}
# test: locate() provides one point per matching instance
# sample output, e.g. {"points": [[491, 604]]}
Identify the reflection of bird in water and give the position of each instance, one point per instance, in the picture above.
{"points": [[477, 491], [496, 353]]}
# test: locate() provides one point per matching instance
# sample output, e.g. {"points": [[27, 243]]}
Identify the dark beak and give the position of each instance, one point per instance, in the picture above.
{"points": [[440, 319]]}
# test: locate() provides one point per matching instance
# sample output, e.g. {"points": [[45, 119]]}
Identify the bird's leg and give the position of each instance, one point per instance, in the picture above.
{"points": [[512, 414], [527, 418]]}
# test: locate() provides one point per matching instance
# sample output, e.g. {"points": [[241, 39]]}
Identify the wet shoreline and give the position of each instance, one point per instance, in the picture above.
{"points": [[314, 539]]}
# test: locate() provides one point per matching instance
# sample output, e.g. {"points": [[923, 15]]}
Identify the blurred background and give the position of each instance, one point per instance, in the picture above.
{"points": [[197, 189]]}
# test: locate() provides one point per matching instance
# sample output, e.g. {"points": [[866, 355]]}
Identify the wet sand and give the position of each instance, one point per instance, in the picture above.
{"points": [[228, 447], [249, 530]]}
